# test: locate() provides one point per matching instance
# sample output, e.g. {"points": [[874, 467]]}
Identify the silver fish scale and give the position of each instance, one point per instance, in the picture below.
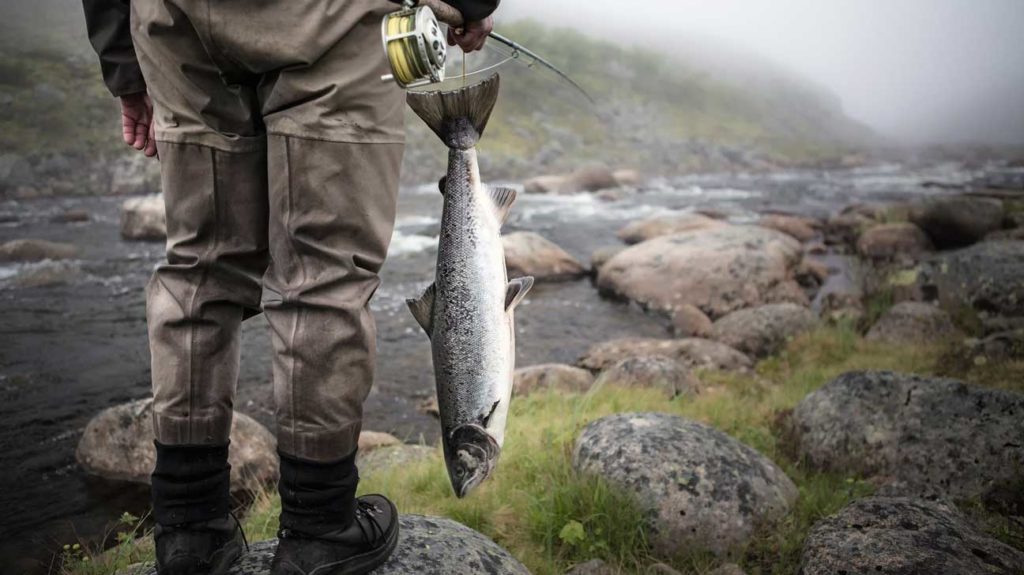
{"points": [[471, 332]]}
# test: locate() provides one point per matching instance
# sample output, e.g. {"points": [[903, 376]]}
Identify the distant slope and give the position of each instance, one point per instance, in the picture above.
{"points": [[653, 113]]}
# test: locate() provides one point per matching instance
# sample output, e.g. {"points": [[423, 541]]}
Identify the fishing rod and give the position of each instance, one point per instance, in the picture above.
{"points": [[417, 50]]}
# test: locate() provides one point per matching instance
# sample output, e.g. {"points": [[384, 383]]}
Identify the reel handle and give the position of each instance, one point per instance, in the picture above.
{"points": [[445, 12]]}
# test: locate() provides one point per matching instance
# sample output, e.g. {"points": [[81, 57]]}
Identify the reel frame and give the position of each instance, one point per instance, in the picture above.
{"points": [[415, 48]]}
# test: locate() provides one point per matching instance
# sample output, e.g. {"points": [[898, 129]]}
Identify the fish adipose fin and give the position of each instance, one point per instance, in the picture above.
{"points": [[516, 291], [423, 309], [503, 199], [458, 117]]}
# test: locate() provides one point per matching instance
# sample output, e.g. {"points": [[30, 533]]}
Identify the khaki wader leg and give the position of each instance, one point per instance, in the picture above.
{"points": [[277, 138]]}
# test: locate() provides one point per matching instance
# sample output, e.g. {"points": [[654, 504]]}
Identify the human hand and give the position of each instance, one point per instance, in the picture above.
{"points": [[472, 35], [137, 123]]}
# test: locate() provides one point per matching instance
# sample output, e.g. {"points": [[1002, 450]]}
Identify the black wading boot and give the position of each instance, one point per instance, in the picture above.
{"points": [[195, 533], [325, 530]]}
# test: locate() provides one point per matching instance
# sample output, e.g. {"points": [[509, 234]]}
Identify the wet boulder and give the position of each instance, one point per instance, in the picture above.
{"points": [[589, 179], [988, 276], [392, 457], [426, 545], [530, 254], [904, 536], [545, 376], [914, 322], [31, 250], [628, 177], [703, 490], [144, 218], [601, 255], [657, 226], [549, 184], [688, 321], [921, 435], [799, 228], [717, 270], [763, 330], [118, 444], [893, 241], [957, 221], [693, 352], [46, 274], [652, 371]]}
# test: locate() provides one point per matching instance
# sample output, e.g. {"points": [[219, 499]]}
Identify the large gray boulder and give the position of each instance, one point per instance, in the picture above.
{"points": [[426, 546], [526, 380], [914, 322], [31, 250], [763, 330], [530, 254], [653, 371], [702, 489], [800, 228], [118, 444], [924, 436], [893, 241], [144, 218], [903, 536], [988, 276], [957, 221], [657, 226], [693, 352], [717, 270]]}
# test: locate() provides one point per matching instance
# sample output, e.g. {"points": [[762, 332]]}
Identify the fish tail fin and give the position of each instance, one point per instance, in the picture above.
{"points": [[458, 117]]}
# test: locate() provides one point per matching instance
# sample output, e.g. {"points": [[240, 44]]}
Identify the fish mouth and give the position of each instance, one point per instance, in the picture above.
{"points": [[471, 457]]}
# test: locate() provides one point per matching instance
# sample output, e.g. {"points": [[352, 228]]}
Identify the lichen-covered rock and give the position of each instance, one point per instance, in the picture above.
{"points": [[763, 330], [800, 228], [926, 436], [718, 270], [703, 490], [426, 546], [551, 376], [916, 322], [688, 321], [693, 352], [891, 241], [370, 440], [652, 371], [29, 250], [957, 221], [530, 254], [601, 255], [903, 536], [144, 218], [988, 276], [392, 456], [118, 444], [657, 226]]}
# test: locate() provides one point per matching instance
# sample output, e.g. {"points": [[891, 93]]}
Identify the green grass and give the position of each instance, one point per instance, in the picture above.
{"points": [[550, 518]]}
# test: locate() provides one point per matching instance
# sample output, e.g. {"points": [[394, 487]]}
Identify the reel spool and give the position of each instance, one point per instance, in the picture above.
{"points": [[415, 47]]}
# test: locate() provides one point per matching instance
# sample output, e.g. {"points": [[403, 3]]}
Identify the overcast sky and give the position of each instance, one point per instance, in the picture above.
{"points": [[918, 70]]}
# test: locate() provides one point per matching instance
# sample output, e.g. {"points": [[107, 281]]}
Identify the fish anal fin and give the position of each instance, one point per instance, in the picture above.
{"points": [[516, 291], [423, 309], [503, 199]]}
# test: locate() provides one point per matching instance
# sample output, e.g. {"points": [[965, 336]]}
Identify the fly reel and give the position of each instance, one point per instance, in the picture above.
{"points": [[414, 45]]}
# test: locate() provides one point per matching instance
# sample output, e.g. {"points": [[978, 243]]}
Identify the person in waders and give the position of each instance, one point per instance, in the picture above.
{"points": [[279, 150]]}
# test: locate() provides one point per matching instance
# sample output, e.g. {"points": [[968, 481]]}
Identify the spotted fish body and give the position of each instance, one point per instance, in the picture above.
{"points": [[468, 311]]}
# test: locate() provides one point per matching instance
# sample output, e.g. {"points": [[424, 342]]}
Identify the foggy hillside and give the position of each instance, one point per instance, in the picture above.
{"points": [[665, 115]]}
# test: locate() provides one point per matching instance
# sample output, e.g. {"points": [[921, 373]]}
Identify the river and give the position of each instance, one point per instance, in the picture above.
{"points": [[69, 351]]}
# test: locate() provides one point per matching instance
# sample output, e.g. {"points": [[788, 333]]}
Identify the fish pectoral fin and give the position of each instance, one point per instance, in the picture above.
{"points": [[516, 291], [423, 309], [503, 199]]}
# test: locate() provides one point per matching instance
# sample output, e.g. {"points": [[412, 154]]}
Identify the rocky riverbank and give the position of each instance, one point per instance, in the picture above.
{"points": [[783, 401]]}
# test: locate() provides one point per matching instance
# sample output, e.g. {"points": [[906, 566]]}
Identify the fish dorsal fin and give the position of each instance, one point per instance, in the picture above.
{"points": [[423, 309], [503, 199], [516, 291], [458, 117]]}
